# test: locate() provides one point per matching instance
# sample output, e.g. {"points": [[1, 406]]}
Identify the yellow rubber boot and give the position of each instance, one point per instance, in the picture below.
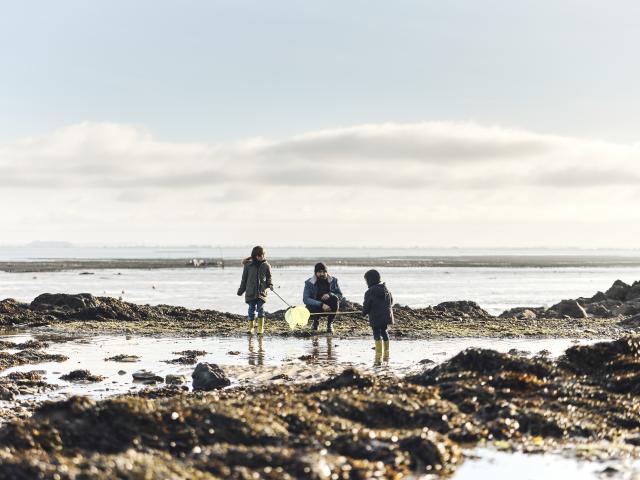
{"points": [[385, 344], [378, 351], [252, 324], [260, 325]]}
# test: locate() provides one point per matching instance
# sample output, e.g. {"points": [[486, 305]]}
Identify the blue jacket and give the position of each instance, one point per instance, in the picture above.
{"points": [[311, 290]]}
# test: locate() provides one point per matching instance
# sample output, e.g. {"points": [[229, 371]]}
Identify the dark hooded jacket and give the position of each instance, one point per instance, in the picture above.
{"points": [[256, 280], [378, 303]]}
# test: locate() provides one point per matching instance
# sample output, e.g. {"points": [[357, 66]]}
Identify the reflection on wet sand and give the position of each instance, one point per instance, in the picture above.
{"points": [[322, 354], [256, 351]]}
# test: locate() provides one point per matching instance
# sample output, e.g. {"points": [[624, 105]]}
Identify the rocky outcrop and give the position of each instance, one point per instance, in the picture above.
{"points": [[620, 300]]}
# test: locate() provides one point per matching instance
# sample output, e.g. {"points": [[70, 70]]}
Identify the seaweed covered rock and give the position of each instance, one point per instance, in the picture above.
{"points": [[602, 357], [10, 306], [26, 357], [81, 376], [464, 307], [63, 301], [209, 376], [522, 313], [384, 427], [350, 377], [486, 362]]}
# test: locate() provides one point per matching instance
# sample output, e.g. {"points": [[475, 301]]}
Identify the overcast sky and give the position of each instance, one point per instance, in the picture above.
{"points": [[458, 123]]}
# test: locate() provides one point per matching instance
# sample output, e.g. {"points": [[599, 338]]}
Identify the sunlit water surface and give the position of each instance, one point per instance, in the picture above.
{"points": [[495, 289]]}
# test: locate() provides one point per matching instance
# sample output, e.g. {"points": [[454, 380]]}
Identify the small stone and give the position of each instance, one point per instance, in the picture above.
{"points": [[175, 379], [147, 377]]}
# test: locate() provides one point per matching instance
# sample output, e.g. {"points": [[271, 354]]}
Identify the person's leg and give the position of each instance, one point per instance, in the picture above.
{"points": [[334, 304], [315, 322], [385, 342], [260, 308], [378, 343], [252, 315]]}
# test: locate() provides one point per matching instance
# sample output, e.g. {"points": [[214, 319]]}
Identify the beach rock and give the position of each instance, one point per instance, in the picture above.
{"points": [[628, 308], [209, 376], [84, 376], [10, 306], [618, 290], [122, 358], [64, 301], [7, 394], [147, 377], [570, 308], [463, 306], [634, 292], [598, 297], [175, 379], [631, 322], [522, 313], [598, 310], [348, 378], [430, 452]]}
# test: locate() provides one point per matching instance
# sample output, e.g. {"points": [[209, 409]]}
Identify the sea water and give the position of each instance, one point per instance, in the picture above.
{"points": [[495, 289]]}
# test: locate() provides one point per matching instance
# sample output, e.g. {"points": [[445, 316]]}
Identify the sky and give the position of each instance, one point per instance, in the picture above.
{"points": [[351, 123]]}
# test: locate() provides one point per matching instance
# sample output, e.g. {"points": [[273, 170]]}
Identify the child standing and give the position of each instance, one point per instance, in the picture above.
{"points": [[256, 280], [378, 303]]}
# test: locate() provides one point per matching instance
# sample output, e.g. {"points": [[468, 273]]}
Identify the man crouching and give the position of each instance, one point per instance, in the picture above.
{"points": [[322, 294]]}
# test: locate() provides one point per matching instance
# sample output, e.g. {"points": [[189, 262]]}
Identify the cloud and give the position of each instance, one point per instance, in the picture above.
{"points": [[444, 155], [371, 184], [432, 142]]}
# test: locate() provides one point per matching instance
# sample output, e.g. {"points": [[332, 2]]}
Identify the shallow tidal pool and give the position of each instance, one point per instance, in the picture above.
{"points": [[252, 360]]}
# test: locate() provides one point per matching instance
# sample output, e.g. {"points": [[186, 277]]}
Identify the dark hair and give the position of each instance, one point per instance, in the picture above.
{"points": [[320, 267], [255, 253], [372, 277]]}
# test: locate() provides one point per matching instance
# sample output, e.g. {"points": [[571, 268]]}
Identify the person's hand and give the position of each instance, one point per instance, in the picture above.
{"points": [[239, 293], [326, 307], [325, 297], [270, 287]]}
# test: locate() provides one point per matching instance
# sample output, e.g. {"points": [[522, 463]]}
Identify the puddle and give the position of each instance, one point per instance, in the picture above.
{"points": [[488, 463], [249, 360]]}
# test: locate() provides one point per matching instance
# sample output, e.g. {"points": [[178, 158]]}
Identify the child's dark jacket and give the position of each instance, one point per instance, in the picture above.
{"points": [[256, 280], [378, 303]]}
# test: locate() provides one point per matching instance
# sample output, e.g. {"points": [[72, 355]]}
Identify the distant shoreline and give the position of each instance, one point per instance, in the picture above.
{"points": [[469, 261]]}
